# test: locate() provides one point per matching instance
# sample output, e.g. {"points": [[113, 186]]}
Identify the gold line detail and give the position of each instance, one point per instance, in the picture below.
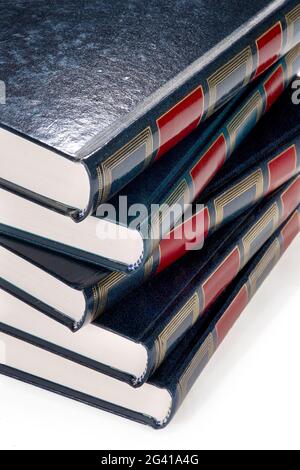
{"points": [[272, 215], [106, 168], [273, 254], [291, 18], [290, 58], [254, 103], [206, 349], [192, 306], [243, 58], [254, 180], [104, 287], [148, 268], [180, 192]]}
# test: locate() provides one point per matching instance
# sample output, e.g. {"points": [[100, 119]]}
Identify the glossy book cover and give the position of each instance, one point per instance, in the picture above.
{"points": [[125, 84]]}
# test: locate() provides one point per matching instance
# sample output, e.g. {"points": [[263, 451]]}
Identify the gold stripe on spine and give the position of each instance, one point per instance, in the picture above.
{"points": [[104, 287], [148, 267], [100, 185], [191, 307], [256, 180], [291, 18], [181, 192], [106, 168], [207, 349], [243, 58], [95, 303], [272, 215], [272, 255], [290, 58], [254, 103]]}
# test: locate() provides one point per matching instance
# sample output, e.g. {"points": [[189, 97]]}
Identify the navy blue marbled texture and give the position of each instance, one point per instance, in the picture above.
{"points": [[73, 68]]}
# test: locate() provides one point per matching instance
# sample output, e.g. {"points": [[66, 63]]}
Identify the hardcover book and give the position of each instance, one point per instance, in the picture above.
{"points": [[156, 402], [80, 293], [144, 329], [125, 82], [120, 247]]}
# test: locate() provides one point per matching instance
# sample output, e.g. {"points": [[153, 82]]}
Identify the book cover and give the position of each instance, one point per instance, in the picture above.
{"points": [[156, 402], [125, 84]]}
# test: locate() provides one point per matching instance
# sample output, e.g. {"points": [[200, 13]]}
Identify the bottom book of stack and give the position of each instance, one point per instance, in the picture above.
{"points": [[27, 357]]}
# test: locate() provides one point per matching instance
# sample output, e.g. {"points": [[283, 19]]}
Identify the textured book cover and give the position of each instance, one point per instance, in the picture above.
{"points": [[156, 402], [144, 329], [269, 157], [130, 245], [125, 82]]}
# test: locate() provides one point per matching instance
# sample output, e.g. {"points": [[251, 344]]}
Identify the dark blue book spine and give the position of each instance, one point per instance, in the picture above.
{"points": [[208, 161], [192, 303], [231, 306], [234, 199]]}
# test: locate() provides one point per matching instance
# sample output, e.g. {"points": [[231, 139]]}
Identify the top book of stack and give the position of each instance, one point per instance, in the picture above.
{"points": [[89, 105]]}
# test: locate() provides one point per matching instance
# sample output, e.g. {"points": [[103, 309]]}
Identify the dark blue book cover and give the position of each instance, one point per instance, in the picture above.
{"points": [[95, 96]]}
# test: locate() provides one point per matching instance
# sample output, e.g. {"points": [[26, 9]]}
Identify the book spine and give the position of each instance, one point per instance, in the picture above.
{"points": [[257, 184], [196, 98], [229, 203], [191, 305], [113, 287], [209, 160], [234, 306]]}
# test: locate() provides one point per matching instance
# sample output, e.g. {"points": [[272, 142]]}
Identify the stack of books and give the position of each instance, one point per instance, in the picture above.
{"points": [[149, 182]]}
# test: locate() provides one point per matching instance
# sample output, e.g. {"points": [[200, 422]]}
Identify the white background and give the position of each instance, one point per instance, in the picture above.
{"points": [[247, 398]]}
